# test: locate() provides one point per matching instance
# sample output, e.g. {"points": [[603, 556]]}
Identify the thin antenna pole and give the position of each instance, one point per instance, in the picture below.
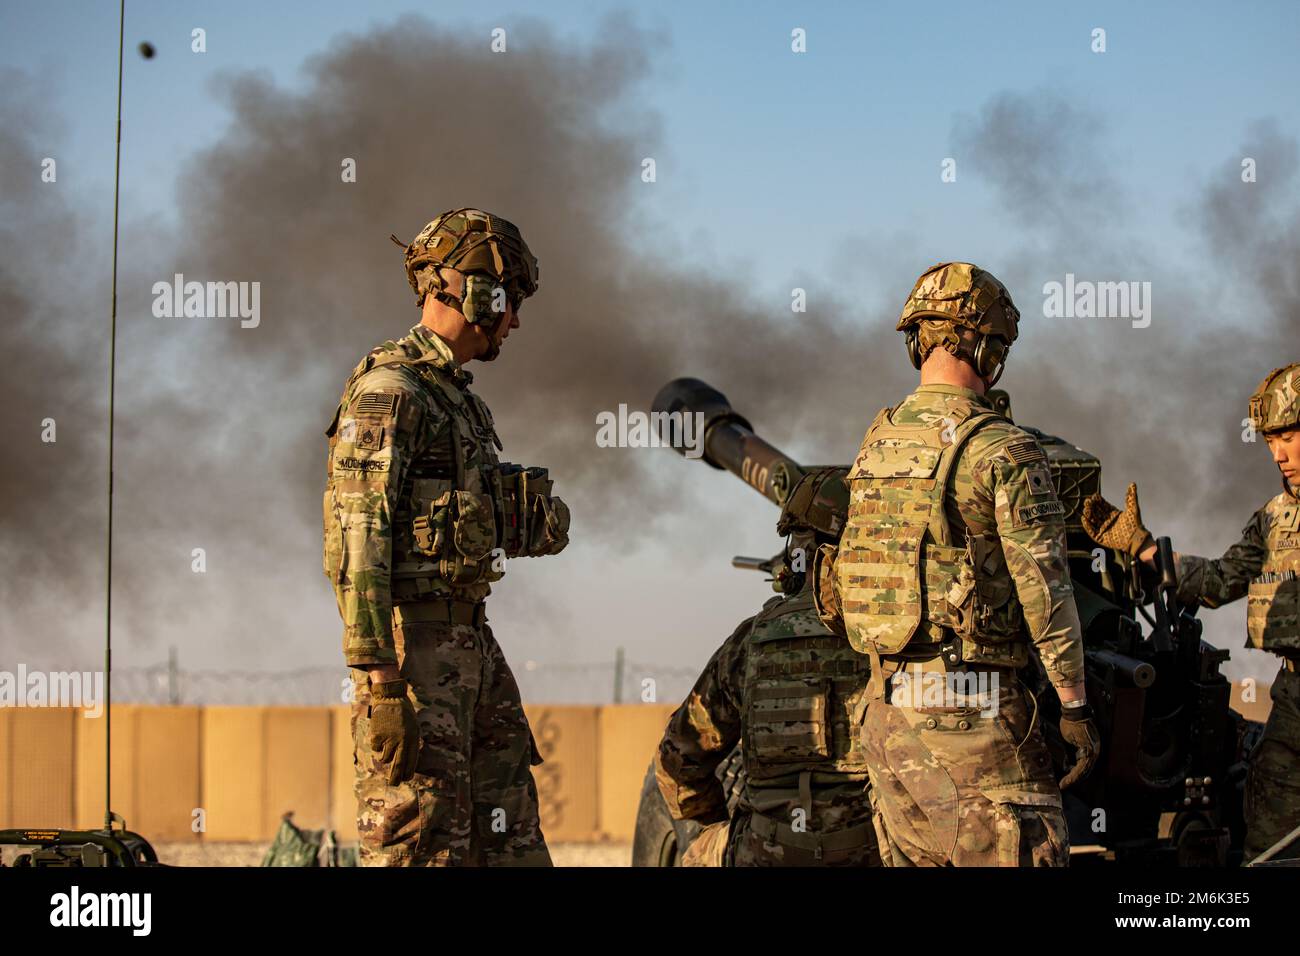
{"points": [[112, 384]]}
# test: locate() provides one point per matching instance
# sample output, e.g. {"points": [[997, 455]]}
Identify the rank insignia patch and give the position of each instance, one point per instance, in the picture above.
{"points": [[1039, 480]]}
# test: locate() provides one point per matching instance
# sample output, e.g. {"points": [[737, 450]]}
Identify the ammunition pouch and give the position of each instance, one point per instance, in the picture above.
{"points": [[460, 531], [533, 522], [826, 595], [984, 611]]}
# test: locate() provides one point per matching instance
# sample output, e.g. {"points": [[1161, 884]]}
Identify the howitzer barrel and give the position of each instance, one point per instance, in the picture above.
{"points": [[729, 439], [1136, 672]]}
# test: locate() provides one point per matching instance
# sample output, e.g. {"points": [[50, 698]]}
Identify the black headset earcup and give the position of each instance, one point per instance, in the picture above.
{"points": [[990, 353], [914, 347]]}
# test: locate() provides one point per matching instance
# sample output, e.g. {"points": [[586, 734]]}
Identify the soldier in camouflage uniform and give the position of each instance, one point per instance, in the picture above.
{"points": [[419, 515], [792, 694], [952, 565], [1262, 567]]}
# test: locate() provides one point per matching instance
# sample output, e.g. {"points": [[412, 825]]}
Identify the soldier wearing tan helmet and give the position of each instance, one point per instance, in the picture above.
{"points": [[952, 568], [420, 515], [791, 694], [1262, 567]]}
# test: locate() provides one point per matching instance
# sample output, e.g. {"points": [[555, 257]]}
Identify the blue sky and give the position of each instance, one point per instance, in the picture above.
{"points": [[759, 141]]}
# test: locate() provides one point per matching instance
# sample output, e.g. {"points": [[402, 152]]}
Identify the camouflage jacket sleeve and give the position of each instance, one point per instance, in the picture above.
{"points": [[701, 734], [381, 429], [1009, 472], [1214, 582]]}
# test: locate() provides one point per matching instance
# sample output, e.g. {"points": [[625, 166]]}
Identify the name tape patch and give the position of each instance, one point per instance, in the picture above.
{"points": [[1042, 510], [365, 465]]}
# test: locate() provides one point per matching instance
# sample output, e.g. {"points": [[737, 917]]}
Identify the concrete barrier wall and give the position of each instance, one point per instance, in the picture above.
{"points": [[229, 773], [237, 769]]}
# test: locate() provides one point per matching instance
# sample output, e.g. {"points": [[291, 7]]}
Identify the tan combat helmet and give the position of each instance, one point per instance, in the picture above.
{"points": [[1276, 403], [960, 294], [819, 503], [488, 250]]}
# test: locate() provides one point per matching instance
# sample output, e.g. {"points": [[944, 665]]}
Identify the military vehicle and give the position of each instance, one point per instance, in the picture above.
{"points": [[1168, 789]]}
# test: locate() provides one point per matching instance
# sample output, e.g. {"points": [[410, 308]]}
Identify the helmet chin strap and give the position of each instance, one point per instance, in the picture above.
{"points": [[494, 347], [997, 374]]}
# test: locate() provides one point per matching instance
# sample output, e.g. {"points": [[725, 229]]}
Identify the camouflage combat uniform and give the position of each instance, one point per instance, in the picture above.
{"points": [[954, 560], [1262, 567], [793, 695], [416, 508]]}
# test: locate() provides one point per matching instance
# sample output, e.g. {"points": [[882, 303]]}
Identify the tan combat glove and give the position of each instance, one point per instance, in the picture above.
{"points": [[1115, 529], [394, 731], [1080, 732]]}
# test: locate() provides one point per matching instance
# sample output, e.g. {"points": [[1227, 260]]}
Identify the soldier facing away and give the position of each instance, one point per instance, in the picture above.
{"points": [[793, 695], [1262, 567], [952, 565], [419, 515]]}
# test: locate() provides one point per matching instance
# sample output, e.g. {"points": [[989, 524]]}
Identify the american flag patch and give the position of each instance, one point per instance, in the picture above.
{"points": [[375, 403], [1026, 450]]}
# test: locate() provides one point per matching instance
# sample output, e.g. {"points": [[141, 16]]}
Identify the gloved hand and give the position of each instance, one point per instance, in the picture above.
{"points": [[394, 731], [1080, 731], [1112, 528]]}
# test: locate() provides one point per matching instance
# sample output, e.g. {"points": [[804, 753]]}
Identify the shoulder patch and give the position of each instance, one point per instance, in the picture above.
{"points": [[376, 403], [1025, 450]]}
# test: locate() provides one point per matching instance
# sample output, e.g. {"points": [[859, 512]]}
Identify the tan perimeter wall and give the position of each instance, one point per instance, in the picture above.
{"points": [[228, 773]]}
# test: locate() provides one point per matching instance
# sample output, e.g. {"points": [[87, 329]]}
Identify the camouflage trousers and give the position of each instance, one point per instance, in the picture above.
{"points": [[472, 800], [952, 787], [738, 842], [1272, 805]]}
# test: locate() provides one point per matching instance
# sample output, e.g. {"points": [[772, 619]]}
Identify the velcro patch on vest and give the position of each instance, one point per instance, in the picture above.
{"points": [[1026, 450], [375, 403], [1045, 509], [363, 465], [1038, 479]]}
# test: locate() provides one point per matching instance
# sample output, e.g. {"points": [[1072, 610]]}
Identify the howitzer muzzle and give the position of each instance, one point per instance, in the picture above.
{"points": [[1138, 673], [729, 439]]}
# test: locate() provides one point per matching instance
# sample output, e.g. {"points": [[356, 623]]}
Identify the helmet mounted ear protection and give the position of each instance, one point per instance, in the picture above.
{"points": [[988, 357], [489, 252]]}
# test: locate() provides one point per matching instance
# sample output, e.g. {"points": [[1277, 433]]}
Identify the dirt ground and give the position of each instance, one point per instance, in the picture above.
{"points": [[250, 854]]}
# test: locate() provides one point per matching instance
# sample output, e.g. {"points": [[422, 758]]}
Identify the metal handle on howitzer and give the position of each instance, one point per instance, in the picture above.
{"points": [[1162, 636], [753, 564], [728, 440]]}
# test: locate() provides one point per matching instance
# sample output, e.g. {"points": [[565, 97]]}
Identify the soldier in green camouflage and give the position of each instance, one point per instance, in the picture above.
{"points": [[1263, 568], [952, 565], [792, 694], [419, 517]]}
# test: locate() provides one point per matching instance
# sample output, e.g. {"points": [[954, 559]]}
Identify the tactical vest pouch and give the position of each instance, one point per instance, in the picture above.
{"points": [[982, 613], [534, 523], [548, 525], [787, 720], [1273, 610], [460, 531], [826, 595]]}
